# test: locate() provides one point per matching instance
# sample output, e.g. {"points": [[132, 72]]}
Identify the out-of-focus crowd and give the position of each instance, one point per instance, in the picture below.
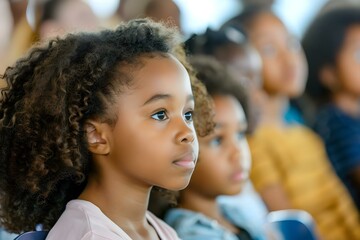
{"points": [[303, 113]]}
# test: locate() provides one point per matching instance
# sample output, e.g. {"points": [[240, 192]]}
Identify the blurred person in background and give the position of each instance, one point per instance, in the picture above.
{"points": [[164, 10], [15, 32], [38, 20], [5, 33], [230, 45], [59, 17], [332, 47], [291, 169], [223, 167]]}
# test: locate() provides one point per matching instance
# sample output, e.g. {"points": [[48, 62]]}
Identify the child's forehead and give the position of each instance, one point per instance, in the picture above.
{"points": [[159, 64], [155, 70], [266, 22], [225, 102]]}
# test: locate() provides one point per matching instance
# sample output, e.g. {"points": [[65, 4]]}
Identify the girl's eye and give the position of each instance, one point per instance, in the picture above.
{"points": [[189, 116], [216, 141], [160, 116]]}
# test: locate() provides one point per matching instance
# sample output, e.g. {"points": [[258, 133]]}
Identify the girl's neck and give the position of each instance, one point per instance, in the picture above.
{"points": [[121, 201], [273, 110], [347, 103]]}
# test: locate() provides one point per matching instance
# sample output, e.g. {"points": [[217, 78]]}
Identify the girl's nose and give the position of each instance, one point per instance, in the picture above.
{"points": [[186, 133]]}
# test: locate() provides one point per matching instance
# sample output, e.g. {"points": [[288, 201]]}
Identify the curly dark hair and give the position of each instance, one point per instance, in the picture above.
{"points": [[44, 160], [209, 42], [322, 43], [218, 81]]}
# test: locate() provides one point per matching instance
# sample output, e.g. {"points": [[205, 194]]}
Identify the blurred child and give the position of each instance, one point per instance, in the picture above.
{"points": [[230, 45], [334, 85], [164, 10], [290, 165], [223, 166], [90, 124], [59, 17]]}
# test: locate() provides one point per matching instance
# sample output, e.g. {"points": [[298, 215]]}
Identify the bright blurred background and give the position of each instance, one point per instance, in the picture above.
{"points": [[197, 15]]}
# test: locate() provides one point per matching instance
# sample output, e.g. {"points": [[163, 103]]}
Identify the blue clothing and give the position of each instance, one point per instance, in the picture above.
{"points": [[7, 236], [251, 207], [191, 225], [341, 134], [293, 116]]}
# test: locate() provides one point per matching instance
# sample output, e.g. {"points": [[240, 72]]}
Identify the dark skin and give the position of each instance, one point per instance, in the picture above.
{"points": [[343, 80], [283, 74], [158, 108], [224, 163]]}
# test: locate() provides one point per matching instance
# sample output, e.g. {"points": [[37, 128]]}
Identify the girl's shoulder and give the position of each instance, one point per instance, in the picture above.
{"points": [[84, 220]]}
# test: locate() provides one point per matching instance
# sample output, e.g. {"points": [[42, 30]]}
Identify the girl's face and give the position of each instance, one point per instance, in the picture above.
{"points": [[153, 142], [245, 62], [348, 62], [224, 160], [74, 15], [284, 65]]}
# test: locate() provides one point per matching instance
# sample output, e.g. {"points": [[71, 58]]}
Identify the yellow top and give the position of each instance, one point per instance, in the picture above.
{"points": [[295, 158]]}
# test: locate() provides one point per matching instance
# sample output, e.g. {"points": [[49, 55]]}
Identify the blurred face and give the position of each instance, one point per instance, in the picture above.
{"points": [[246, 64], [77, 15], [348, 62], [164, 10], [154, 142], [224, 160], [72, 15], [284, 65]]}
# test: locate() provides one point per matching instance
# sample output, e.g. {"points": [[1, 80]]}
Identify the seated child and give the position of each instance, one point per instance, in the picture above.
{"points": [[334, 86], [90, 124], [290, 166], [223, 167]]}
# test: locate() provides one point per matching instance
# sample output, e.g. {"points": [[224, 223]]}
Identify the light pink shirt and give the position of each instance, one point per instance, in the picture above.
{"points": [[82, 220]]}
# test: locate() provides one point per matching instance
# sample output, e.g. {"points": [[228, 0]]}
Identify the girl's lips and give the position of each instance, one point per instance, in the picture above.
{"points": [[239, 176], [185, 164], [188, 161]]}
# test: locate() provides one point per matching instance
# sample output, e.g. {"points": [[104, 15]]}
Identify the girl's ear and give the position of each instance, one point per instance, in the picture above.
{"points": [[97, 137], [328, 78]]}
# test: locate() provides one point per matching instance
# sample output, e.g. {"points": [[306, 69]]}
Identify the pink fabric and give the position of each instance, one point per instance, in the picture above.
{"points": [[82, 220]]}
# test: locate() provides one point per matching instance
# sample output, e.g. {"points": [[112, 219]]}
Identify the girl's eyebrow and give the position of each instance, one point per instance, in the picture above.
{"points": [[157, 97], [160, 96]]}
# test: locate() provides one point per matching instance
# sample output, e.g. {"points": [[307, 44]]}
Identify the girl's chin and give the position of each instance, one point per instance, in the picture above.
{"points": [[177, 186]]}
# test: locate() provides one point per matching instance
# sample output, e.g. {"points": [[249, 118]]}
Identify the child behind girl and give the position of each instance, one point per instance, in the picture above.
{"points": [[290, 165], [334, 85], [89, 124], [230, 45], [223, 166]]}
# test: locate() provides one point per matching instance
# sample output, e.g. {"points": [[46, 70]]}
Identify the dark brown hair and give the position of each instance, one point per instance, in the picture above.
{"points": [[44, 160]]}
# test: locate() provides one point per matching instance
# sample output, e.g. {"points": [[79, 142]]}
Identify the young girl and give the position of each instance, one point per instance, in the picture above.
{"points": [[89, 124], [230, 45], [290, 165], [334, 85], [223, 167]]}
